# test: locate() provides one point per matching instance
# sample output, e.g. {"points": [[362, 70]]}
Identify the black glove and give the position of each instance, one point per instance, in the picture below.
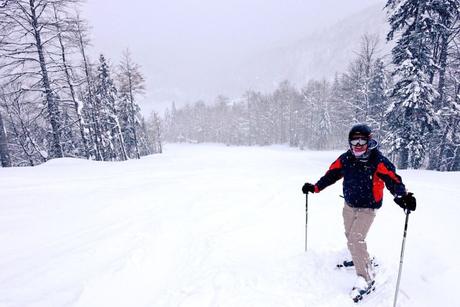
{"points": [[308, 188], [407, 201]]}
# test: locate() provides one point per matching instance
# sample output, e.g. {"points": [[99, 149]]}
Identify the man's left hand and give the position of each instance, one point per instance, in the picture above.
{"points": [[407, 201]]}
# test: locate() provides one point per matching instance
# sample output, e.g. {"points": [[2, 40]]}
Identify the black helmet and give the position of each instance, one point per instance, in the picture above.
{"points": [[360, 129]]}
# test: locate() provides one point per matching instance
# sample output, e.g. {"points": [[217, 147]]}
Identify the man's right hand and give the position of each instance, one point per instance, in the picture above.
{"points": [[308, 188]]}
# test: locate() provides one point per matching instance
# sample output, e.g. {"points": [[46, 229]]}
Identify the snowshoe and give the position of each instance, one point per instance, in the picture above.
{"points": [[347, 264], [361, 289]]}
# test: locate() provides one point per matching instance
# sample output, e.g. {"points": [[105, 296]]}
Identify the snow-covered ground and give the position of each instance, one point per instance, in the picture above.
{"points": [[209, 225]]}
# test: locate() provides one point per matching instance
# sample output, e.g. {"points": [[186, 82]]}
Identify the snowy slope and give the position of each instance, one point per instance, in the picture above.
{"points": [[209, 225]]}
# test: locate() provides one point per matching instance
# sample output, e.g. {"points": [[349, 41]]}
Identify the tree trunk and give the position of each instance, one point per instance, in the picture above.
{"points": [[131, 98], [439, 158], [455, 166], [93, 113], [119, 135], [456, 163], [71, 88], [4, 152], [51, 102], [442, 72], [403, 162]]}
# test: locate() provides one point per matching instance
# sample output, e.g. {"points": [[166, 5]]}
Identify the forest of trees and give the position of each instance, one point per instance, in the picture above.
{"points": [[410, 98], [55, 101]]}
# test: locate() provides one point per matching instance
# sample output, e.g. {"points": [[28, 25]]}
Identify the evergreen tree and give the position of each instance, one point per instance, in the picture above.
{"points": [[113, 146], [411, 117]]}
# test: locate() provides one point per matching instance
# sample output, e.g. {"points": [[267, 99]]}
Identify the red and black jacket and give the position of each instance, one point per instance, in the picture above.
{"points": [[363, 181]]}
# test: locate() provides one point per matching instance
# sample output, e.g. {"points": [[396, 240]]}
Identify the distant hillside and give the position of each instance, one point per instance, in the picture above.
{"points": [[319, 55]]}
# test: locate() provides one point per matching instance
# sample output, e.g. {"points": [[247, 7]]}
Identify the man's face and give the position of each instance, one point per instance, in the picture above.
{"points": [[359, 145]]}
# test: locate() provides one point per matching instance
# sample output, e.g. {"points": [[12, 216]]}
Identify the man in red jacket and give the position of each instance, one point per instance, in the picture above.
{"points": [[365, 172]]}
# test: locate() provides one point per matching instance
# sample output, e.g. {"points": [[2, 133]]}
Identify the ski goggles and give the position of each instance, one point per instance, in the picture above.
{"points": [[359, 141]]}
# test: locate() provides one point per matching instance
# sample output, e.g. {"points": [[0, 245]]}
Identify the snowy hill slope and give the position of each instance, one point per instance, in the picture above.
{"points": [[321, 54], [209, 225]]}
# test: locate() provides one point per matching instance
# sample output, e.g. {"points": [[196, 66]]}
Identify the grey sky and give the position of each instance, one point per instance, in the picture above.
{"points": [[176, 41]]}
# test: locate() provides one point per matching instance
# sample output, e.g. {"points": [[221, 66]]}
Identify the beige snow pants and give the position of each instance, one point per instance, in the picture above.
{"points": [[357, 222]]}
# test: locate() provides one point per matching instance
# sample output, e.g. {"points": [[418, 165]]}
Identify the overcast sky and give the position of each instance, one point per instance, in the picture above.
{"points": [[175, 40]]}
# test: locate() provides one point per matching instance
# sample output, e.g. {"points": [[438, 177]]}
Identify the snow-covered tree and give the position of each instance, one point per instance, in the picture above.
{"points": [[411, 117], [445, 37], [131, 84], [154, 133], [356, 81], [113, 145]]}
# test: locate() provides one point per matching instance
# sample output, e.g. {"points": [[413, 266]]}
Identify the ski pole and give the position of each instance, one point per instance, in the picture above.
{"points": [[401, 258], [306, 219]]}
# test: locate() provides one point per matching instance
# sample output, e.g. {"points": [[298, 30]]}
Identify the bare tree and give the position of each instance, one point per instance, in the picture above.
{"points": [[25, 127], [64, 34], [357, 79], [132, 83], [81, 36], [26, 34]]}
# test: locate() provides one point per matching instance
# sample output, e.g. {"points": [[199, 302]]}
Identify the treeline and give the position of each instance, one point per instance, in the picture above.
{"points": [[411, 98], [316, 116], [56, 102]]}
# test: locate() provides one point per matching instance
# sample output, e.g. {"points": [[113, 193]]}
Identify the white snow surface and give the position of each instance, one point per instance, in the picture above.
{"points": [[210, 225]]}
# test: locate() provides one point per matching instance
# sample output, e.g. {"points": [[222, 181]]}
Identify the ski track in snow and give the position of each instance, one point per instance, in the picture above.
{"points": [[210, 225]]}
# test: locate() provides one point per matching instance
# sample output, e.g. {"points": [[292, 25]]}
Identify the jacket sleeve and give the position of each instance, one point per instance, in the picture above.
{"points": [[332, 175], [387, 172]]}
